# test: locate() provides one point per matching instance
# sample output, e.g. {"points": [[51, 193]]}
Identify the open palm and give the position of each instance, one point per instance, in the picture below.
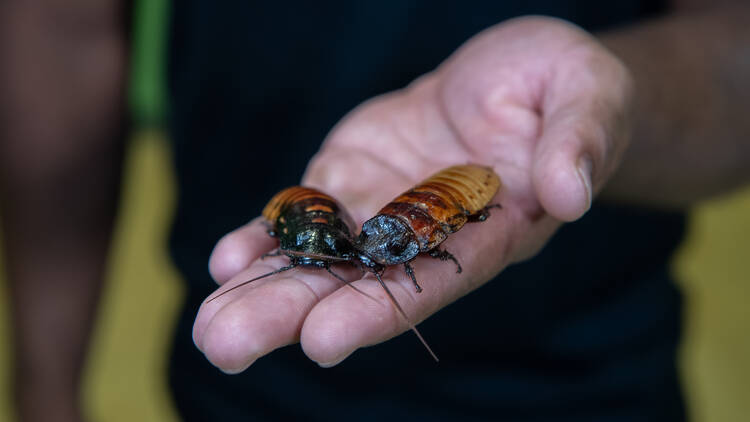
{"points": [[537, 99]]}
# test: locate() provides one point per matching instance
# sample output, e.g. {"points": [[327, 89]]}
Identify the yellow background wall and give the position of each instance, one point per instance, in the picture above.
{"points": [[125, 378], [714, 266]]}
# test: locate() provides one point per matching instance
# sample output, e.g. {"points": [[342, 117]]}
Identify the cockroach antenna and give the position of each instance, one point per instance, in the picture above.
{"points": [[289, 267], [403, 314], [280, 270]]}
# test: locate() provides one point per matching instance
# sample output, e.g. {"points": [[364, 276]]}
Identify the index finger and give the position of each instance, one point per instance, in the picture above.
{"points": [[246, 323], [345, 321]]}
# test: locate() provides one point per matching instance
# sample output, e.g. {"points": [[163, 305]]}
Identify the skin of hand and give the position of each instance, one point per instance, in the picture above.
{"points": [[537, 99]]}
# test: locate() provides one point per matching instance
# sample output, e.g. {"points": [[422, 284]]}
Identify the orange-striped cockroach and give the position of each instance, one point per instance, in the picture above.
{"points": [[314, 230], [421, 218]]}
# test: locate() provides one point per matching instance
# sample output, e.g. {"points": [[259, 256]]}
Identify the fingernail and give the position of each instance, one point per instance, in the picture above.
{"points": [[585, 166]]}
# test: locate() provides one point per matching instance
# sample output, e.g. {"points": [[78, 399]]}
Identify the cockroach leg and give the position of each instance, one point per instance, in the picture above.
{"points": [[483, 214], [410, 271], [444, 256]]}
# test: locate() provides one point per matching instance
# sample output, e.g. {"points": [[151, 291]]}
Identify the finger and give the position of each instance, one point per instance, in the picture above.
{"points": [[229, 292], [563, 164], [249, 322], [346, 320], [235, 251], [255, 324], [584, 132]]}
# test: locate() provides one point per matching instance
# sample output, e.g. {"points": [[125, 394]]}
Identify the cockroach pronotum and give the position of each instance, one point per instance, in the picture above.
{"points": [[421, 218], [314, 230]]}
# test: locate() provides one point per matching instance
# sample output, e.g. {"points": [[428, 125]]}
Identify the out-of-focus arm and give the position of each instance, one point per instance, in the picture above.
{"points": [[691, 133], [61, 125]]}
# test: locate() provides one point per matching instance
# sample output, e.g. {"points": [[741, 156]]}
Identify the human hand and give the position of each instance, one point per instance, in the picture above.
{"points": [[539, 100]]}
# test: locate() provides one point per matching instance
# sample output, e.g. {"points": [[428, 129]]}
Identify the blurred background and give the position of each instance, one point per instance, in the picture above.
{"points": [[126, 372]]}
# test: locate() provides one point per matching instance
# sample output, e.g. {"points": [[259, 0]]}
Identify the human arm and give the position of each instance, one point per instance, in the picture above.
{"points": [[691, 135], [531, 97], [61, 125]]}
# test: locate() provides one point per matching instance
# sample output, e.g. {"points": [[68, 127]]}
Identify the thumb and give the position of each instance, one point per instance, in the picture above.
{"points": [[572, 147]]}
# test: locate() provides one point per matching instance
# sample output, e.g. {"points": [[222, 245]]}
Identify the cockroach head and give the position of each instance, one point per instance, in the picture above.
{"points": [[387, 240]]}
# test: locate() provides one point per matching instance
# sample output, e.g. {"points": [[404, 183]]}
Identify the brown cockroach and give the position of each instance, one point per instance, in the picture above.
{"points": [[421, 218], [314, 230]]}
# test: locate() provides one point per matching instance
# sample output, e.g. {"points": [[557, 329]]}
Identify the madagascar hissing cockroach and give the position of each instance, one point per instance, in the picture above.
{"points": [[314, 230], [421, 218]]}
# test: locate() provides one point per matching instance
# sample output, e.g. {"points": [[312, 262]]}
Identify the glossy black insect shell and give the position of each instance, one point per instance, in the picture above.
{"points": [[313, 237], [314, 232], [387, 240]]}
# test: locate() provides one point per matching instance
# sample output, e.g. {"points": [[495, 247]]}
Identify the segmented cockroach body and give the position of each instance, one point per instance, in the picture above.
{"points": [[421, 218], [313, 230]]}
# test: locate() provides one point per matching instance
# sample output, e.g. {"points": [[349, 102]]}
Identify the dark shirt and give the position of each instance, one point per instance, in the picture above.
{"points": [[585, 331]]}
